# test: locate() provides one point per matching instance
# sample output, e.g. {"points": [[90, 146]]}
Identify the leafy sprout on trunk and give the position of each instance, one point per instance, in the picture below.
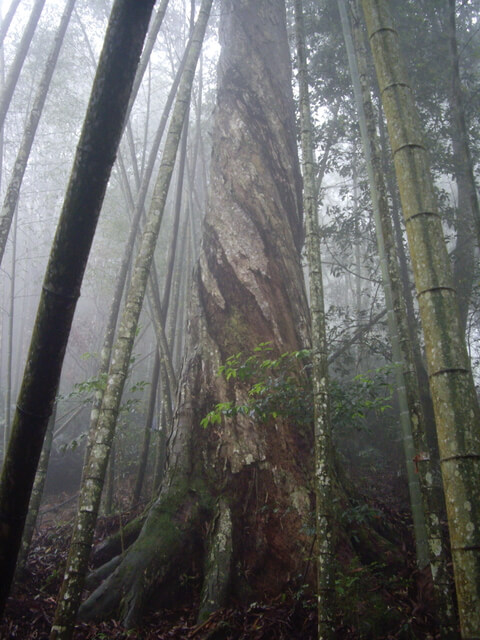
{"points": [[281, 388]]}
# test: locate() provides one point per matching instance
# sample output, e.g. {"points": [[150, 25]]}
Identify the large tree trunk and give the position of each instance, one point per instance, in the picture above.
{"points": [[247, 481]]}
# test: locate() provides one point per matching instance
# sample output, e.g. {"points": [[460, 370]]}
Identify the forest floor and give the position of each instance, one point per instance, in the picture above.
{"points": [[375, 600]]}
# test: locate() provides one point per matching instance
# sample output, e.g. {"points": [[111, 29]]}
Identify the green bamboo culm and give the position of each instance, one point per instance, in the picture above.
{"points": [[456, 407], [426, 497], [390, 282]]}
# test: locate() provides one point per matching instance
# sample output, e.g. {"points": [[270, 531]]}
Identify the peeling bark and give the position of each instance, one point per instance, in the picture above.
{"points": [[248, 288]]}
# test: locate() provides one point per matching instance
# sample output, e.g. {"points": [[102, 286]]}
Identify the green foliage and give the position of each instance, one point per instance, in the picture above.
{"points": [[362, 595], [281, 388], [275, 387], [359, 515], [73, 444], [86, 389], [84, 392], [52, 577], [367, 393]]}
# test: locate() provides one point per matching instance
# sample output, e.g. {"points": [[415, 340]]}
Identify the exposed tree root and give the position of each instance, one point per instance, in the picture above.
{"points": [[162, 545], [95, 578], [218, 563], [116, 544]]}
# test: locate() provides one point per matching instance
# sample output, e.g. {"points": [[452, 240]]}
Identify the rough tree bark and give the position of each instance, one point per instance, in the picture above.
{"points": [[247, 482], [100, 445]]}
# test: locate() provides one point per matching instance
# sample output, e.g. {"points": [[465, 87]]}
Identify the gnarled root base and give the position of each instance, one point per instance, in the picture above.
{"points": [[218, 562], [160, 548], [95, 578], [116, 544]]}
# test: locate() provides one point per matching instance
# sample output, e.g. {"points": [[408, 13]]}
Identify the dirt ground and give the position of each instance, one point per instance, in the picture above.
{"points": [[375, 600]]}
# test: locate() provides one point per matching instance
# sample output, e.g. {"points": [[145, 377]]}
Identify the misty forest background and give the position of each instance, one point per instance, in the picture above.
{"points": [[378, 548]]}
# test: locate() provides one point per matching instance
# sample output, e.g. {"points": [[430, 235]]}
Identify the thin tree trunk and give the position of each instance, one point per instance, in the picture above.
{"points": [[453, 392], [322, 424], [64, 274], [360, 357], [17, 64], [152, 289], [356, 335], [176, 315], [147, 51], [160, 450], [69, 419], [8, 19], [426, 506], [407, 286], [36, 498], [147, 431], [468, 216], [176, 222], [390, 278], [109, 487], [165, 428], [2, 129], [146, 129], [160, 307], [11, 316], [105, 353], [94, 471], [13, 190]]}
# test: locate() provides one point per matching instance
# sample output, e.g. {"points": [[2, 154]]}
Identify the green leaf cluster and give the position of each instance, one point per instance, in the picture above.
{"points": [[276, 387], [281, 388]]}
